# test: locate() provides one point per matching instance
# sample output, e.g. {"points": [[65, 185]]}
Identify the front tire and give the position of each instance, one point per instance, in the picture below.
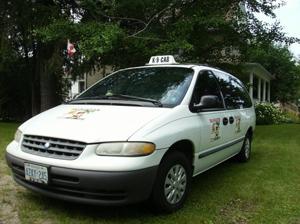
{"points": [[244, 154], [172, 183]]}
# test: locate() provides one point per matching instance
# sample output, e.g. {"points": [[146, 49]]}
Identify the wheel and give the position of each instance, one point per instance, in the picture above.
{"points": [[244, 154], [172, 182]]}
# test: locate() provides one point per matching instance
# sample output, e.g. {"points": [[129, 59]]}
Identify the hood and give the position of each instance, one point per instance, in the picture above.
{"points": [[91, 123]]}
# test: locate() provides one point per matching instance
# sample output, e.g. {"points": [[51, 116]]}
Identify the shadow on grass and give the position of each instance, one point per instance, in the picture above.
{"points": [[206, 183]]}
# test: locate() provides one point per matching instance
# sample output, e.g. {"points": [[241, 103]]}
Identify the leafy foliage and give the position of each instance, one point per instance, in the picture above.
{"points": [[121, 33], [268, 113], [202, 31], [92, 38]]}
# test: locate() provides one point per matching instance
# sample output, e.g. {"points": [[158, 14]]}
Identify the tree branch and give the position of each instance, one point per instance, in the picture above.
{"points": [[121, 18], [114, 17], [148, 38], [151, 20]]}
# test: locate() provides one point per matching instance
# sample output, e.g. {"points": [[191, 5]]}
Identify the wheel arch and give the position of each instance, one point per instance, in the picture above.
{"points": [[250, 132], [184, 146]]}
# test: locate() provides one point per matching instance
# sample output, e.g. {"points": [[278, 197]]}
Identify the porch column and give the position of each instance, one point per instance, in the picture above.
{"points": [[251, 85], [269, 92], [264, 90], [259, 90], [85, 81]]}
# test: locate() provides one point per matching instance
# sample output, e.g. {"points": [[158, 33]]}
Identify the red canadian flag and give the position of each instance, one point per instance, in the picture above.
{"points": [[70, 49]]}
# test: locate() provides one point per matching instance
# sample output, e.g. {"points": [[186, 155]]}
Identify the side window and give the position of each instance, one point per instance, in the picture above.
{"points": [[235, 95], [206, 85], [242, 92]]}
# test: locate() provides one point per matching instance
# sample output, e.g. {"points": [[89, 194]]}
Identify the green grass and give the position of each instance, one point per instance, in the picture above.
{"points": [[265, 190], [7, 131]]}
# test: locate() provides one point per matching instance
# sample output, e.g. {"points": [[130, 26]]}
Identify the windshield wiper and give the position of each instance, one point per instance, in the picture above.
{"points": [[119, 96], [155, 102], [90, 98], [87, 98]]}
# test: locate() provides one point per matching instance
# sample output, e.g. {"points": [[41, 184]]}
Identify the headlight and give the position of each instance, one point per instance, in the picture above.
{"points": [[18, 135], [125, 149]]}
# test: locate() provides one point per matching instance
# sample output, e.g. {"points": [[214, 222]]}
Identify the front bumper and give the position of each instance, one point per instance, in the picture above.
{"points": [[92, 187]]}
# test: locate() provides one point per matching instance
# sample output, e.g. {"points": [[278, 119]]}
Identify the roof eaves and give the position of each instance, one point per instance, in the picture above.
{"points": [[260, 67]]}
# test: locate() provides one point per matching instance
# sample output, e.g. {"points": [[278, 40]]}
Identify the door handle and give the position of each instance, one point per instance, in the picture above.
{"points": [[225, 120], [231, 120]]}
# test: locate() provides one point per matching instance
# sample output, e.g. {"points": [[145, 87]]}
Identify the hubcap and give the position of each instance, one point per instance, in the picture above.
{"points": [[175, 184], [247, 148]]}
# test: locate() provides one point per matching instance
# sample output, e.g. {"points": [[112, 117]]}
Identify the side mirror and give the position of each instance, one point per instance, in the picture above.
{"points": [[207, 102]]}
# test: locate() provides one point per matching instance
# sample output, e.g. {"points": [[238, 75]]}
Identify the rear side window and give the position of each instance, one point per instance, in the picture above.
{"points": [[234, 93], [206, 85]]}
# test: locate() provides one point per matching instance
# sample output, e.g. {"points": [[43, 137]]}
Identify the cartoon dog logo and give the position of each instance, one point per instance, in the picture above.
{"points": [[215, 129], [237, 124], [79, 113]]}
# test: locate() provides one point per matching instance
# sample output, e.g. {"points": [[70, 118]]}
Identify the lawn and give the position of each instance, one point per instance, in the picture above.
{"points": [[265, 190]]}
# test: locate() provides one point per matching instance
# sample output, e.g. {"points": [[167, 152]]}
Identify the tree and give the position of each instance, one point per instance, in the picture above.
{"points": [[20, 19], [202, 31], [124, 33]]}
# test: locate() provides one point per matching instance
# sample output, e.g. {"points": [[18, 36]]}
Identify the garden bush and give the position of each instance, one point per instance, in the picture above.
{"points": [[268, 113]]}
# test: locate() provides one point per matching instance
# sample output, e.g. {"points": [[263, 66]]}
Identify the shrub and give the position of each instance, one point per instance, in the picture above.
{"points": [[294, 118], [268, 113]]}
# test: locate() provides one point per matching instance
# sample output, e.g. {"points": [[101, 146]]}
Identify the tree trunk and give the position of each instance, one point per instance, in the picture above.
{"points": [[49, 66], [35, 84], [47, 87]]}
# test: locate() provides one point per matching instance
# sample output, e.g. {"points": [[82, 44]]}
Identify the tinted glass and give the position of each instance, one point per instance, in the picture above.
{"points": [[234, 93], [206, 85], [165, 84]]}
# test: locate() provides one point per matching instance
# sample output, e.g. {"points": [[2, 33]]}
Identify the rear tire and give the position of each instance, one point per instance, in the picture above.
{"points": [[244, 154], [172, 183]]}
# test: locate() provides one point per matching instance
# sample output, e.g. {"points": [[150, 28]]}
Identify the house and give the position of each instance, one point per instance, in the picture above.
{"points": [[88, 79], [259, 85]]}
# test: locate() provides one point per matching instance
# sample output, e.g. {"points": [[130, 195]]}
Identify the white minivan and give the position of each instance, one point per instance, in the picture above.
{"points": [[140, 133]]}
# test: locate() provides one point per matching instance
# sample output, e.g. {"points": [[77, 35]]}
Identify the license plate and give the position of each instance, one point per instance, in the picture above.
{"points": [[36, 173]]}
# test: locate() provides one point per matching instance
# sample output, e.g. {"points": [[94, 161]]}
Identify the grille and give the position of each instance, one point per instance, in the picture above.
{"points": [[52, 147]]}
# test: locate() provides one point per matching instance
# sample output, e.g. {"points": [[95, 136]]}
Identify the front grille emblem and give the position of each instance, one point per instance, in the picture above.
{"points": [[47, 145]]}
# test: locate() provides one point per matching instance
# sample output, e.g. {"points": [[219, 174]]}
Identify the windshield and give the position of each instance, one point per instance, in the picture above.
{"points": [[163, 85]]}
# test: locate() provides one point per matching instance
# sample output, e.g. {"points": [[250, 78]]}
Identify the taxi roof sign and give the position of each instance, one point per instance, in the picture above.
{"points": [[162, 60]]}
